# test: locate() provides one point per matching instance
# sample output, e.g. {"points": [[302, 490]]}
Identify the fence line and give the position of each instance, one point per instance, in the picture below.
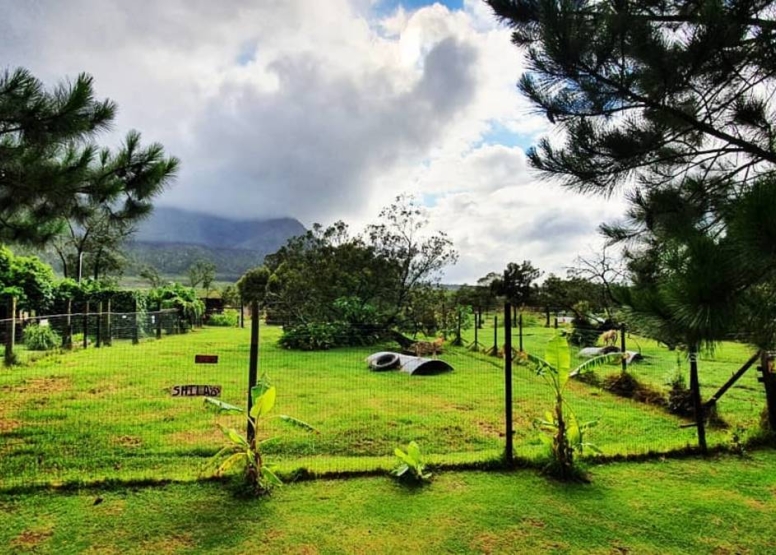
{"points": [[135, 411]]}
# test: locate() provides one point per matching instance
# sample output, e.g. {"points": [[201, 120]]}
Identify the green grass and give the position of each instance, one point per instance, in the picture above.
{"points": [[106, 414], [724, 505]]}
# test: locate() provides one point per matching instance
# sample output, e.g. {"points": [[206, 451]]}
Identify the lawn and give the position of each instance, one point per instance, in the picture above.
{"points": [[722, 505], [107, 414]]}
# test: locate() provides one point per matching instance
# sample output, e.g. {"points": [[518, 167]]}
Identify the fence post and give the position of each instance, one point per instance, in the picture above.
{"points": [[494, 352], [136, 327], [520, 330], [86, 325], [10, 336], [547, 313], [242, 313], [98, 338], [109, 326], [159, 320], [624, 362], [67, 341], [556, 322], [253, 364], [695, 389], [509, 454], [769, 381]]}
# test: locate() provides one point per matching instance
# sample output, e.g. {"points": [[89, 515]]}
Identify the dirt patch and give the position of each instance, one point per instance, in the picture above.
{"points": [[213, 437], [176, 543], [31, 539], [490, 429], [304, 549], [8, 425], [127, 441], [41, 386], [499, 542]]}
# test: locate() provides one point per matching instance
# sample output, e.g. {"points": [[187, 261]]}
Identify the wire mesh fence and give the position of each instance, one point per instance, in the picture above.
{"points": [[130, 404]]}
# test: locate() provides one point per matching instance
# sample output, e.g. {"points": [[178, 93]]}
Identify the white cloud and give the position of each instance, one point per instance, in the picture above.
{"points": [[322, 111]]}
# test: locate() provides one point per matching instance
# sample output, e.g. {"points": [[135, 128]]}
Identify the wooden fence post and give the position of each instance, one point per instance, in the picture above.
{"points": [[768, 379], [86, 326]]}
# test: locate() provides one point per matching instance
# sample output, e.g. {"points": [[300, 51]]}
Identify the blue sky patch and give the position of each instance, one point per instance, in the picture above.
{"points": [[385, 7], [501, 135]]}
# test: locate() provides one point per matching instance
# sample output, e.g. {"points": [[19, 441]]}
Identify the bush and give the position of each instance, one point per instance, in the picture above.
{"points": [[228, 318], [327, 335], [310, 337], [41, 338]]}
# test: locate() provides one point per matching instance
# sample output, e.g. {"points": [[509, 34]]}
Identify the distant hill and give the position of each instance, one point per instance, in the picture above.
{"points": [[172, 239], [173, 225]]}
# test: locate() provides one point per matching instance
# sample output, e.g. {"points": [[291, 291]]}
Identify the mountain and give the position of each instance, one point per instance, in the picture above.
{"points": [[172, 239], [173, 225]]}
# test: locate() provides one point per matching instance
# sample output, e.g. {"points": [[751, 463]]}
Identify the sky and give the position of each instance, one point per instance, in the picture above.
{"points": [[324, 110]]}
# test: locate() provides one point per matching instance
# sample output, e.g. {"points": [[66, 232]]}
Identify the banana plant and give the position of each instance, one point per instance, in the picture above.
{"points": [[411, 464], [248, 452], [561, 432]]}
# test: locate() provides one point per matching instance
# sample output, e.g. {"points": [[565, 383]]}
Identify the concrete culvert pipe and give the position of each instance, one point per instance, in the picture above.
{"points": [[384, 361]]}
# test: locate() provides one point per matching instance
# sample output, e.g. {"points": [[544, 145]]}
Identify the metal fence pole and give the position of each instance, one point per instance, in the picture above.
{"points": [[253, 364], [98, 338], [622, 349], [695, 389], [509, 454]]}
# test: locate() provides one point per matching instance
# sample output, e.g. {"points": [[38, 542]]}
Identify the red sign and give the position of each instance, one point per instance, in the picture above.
{"points": [[206, 359]]}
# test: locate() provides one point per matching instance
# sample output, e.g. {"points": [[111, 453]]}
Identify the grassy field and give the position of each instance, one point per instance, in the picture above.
{"points": [[107, 414], [723, 506]]}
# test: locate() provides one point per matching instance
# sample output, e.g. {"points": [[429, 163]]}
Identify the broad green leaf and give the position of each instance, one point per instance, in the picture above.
{"points": [[574, 433], [546, 440], [264, 403], [414, 451], [559, 357], [270, 476], [298, 423], [401, 470], [237, 438], [230, 462], [403, 456], [222, 406], [593, 448]]}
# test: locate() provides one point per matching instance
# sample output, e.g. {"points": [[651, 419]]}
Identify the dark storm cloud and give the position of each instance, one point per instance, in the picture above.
{"points": [[310, 147]]}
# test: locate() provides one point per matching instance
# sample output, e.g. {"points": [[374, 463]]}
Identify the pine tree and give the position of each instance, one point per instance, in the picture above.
{"points": [[672, 102], [51, 170]]}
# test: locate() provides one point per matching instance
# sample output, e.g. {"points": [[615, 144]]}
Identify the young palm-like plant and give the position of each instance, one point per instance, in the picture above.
{"points": [[246, 452], [411, 464], [563, 435]]}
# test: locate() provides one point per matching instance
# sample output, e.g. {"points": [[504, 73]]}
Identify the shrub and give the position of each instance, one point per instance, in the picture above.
{"points": [[680, 397], [412, 466], [327, 335], [228, 318], [41, 338]]}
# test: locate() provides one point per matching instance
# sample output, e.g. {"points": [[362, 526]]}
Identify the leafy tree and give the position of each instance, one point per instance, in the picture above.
{"points": [[26, 278], [202, 272], [401, 239], [253, 285], [369, 283], [515, 283], [151, 275], [51, 172]]}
